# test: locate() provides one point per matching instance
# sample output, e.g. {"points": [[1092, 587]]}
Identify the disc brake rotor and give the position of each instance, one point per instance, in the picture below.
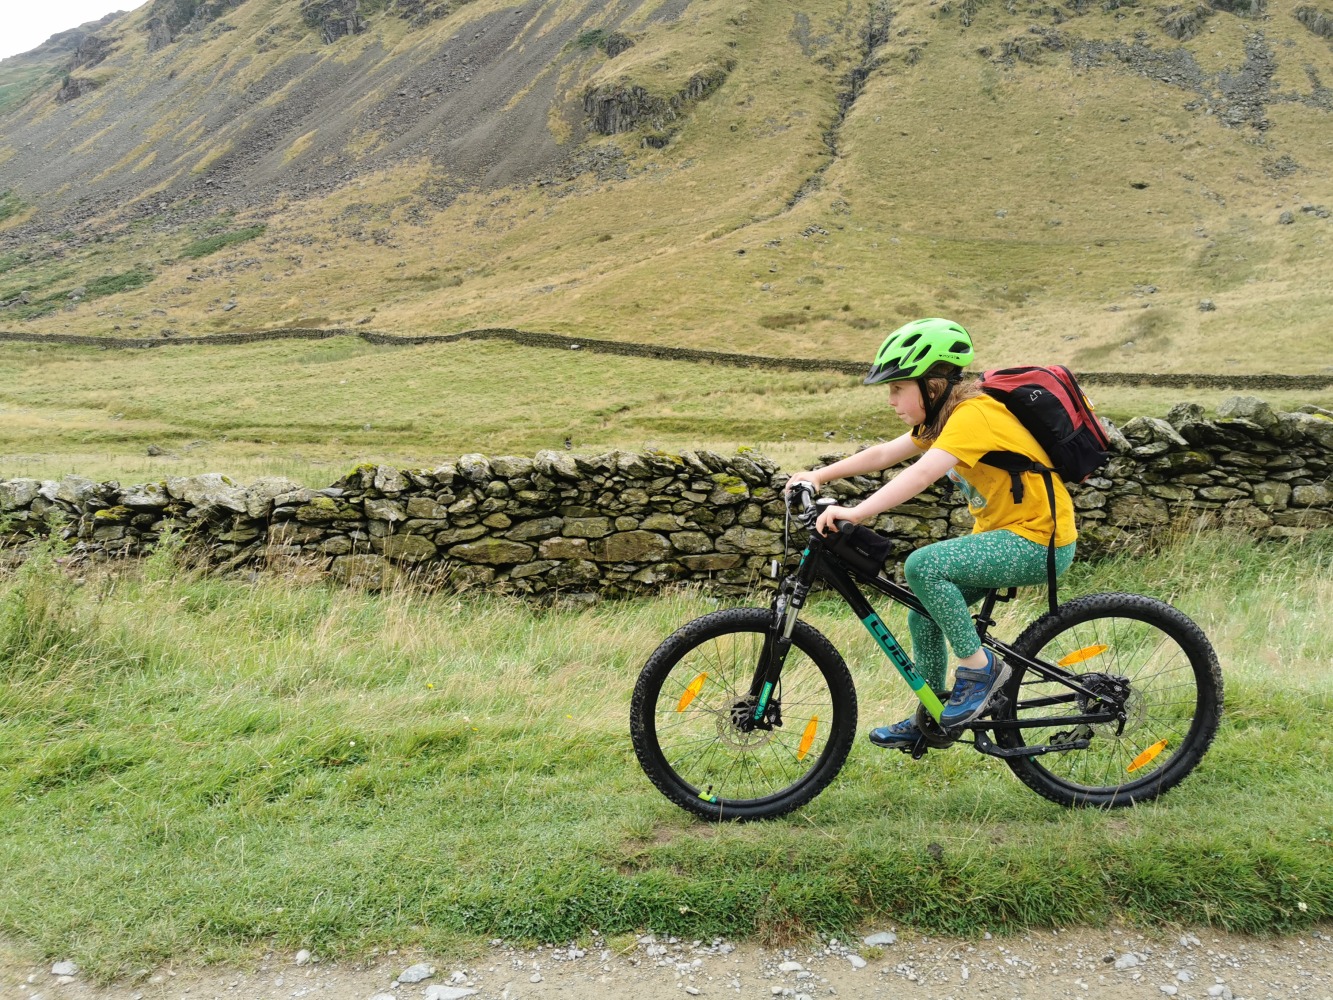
{"points": [[1136, 711], [1111, 691], [730, 731]]}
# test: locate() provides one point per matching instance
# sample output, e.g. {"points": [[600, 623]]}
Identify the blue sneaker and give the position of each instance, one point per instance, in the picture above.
{"points": [[899, 736], [973, 688]]}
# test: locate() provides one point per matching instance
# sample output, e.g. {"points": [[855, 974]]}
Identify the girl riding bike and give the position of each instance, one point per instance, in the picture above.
{"points": [[954, 424]]}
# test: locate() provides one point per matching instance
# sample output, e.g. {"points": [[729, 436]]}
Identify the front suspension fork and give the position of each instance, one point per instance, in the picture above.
{"points": [[777, 644]]}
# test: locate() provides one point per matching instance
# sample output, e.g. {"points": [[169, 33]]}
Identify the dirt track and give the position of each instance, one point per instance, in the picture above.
{"points": [[1116, 964]]}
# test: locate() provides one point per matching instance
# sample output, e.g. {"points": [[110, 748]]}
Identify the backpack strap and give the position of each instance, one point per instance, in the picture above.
{"points": [[1016, 464]]}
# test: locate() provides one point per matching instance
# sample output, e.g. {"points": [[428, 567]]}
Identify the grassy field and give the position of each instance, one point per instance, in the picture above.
{"points": [[192, 765], [313, 409]]}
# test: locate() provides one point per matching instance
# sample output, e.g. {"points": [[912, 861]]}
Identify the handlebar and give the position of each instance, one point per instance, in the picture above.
{"points": [[812, 505], [804, 493]]}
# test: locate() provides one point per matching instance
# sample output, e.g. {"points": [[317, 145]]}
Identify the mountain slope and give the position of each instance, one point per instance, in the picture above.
{"points": [[1117, 185], [22, 75]]}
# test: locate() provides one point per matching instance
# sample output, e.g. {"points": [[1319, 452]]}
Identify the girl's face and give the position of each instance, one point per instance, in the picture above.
{"points": [[905, 398]]}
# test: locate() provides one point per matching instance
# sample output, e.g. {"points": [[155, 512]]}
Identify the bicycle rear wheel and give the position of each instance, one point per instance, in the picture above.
{"points": [[1173, 706], [695, 688]]}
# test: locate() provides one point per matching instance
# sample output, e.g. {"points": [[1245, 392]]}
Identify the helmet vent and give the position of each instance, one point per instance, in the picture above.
{"points": [[915, 348]]}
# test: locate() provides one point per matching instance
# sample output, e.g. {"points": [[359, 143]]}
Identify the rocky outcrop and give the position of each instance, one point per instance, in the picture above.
{"points": [[615, 42], [1245, 8], [624, 523], [623, 107], [334, 18], [419, 13], [169, 19], [1319, 22], [74, 87], [1184, 23], [1236, 97], [91, 50], [620, 108]]}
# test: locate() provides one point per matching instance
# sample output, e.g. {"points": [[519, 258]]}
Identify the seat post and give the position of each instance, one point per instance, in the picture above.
{"points": [[983, 617]]}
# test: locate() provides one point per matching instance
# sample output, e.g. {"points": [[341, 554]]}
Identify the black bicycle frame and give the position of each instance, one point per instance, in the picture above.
{"points": [[817, 563]]}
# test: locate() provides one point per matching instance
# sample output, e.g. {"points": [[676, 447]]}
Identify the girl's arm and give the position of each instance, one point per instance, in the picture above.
{"points": [[901, 488], [872, 459]]}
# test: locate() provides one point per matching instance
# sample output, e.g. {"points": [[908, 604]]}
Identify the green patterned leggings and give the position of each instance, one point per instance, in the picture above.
{"points": [[951, 575]]}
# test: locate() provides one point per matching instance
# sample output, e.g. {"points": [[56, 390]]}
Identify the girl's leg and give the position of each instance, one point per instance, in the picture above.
{"points": [[949, 576], [930, 652]]}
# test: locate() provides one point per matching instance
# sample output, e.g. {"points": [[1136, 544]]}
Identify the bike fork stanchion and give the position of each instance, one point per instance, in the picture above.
{"points": [[778, 642]]}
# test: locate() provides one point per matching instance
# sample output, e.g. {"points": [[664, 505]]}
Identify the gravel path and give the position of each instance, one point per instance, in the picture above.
{"points": [[1042, 965]]}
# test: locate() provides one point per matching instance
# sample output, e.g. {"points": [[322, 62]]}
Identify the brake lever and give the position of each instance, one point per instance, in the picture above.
{"points": [[810, 506], [820, 505]]}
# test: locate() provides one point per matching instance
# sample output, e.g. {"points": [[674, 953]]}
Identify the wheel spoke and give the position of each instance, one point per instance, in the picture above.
{"points": [[1174, 694], [698, 684]]}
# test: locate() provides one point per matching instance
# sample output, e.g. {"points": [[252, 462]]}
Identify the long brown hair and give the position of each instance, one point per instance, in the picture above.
{"points": [[933, 386]]}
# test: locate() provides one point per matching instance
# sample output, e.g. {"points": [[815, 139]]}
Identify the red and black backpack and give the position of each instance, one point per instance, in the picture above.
{"points": [[1052, 406]]}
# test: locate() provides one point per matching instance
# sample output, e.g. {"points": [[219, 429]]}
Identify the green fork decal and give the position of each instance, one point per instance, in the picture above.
{"points": [[763, 700], [899, 658]]}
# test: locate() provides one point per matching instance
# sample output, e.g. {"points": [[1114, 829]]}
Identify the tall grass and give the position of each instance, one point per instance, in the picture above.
{"points": [[205, 765]]}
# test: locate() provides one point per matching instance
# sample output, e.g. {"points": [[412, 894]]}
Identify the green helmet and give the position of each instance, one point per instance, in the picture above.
{"points": [[912, 350]]}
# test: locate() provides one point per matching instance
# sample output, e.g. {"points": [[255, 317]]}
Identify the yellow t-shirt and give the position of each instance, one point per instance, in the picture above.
{"points": [[983, 424]]}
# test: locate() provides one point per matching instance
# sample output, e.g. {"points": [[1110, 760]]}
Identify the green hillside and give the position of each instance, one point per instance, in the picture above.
{"points": [[1118, 185]]}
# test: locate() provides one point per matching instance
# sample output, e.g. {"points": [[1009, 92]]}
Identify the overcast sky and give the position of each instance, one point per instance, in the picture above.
{"points": [[28, 23]]}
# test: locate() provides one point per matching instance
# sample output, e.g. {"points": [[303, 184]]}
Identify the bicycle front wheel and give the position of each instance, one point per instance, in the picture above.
{"points": [[690, 706], [1130, 648]]}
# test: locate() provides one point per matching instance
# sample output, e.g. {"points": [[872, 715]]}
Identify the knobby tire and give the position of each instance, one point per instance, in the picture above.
{"points": [[682, 719], [1176, 697]]}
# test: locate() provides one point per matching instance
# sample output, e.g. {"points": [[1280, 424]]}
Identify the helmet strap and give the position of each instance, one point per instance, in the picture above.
{"points": [[933, 406]]}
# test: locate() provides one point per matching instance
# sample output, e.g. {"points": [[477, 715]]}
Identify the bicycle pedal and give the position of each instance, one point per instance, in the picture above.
{"points": [[919, 749]]}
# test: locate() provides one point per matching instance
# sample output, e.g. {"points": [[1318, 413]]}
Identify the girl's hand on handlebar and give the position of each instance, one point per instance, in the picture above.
{"points": [[829, 515], [809, 476]]}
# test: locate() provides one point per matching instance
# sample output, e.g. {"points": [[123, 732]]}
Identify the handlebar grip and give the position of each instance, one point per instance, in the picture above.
{"points": [[806, 491]]}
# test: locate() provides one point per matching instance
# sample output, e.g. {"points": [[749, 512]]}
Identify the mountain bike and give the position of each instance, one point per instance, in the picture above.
{"points": [[749, 713]]}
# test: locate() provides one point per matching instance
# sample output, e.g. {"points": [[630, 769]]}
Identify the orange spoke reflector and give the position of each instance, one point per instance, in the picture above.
{"points": [[1147, 756], [1079, 655], [691, 692], [807, 738]]}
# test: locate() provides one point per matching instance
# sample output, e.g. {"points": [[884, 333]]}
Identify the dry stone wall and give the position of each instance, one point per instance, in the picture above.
{"points": [[624, 523]]}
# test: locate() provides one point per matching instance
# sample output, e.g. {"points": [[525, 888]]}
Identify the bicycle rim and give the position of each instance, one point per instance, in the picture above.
{"points": [[1171, 712], [695, 692]]}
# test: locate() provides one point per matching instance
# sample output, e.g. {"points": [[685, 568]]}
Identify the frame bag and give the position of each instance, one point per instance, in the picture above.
{"points": [[863, 549], [1052, 406]]}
